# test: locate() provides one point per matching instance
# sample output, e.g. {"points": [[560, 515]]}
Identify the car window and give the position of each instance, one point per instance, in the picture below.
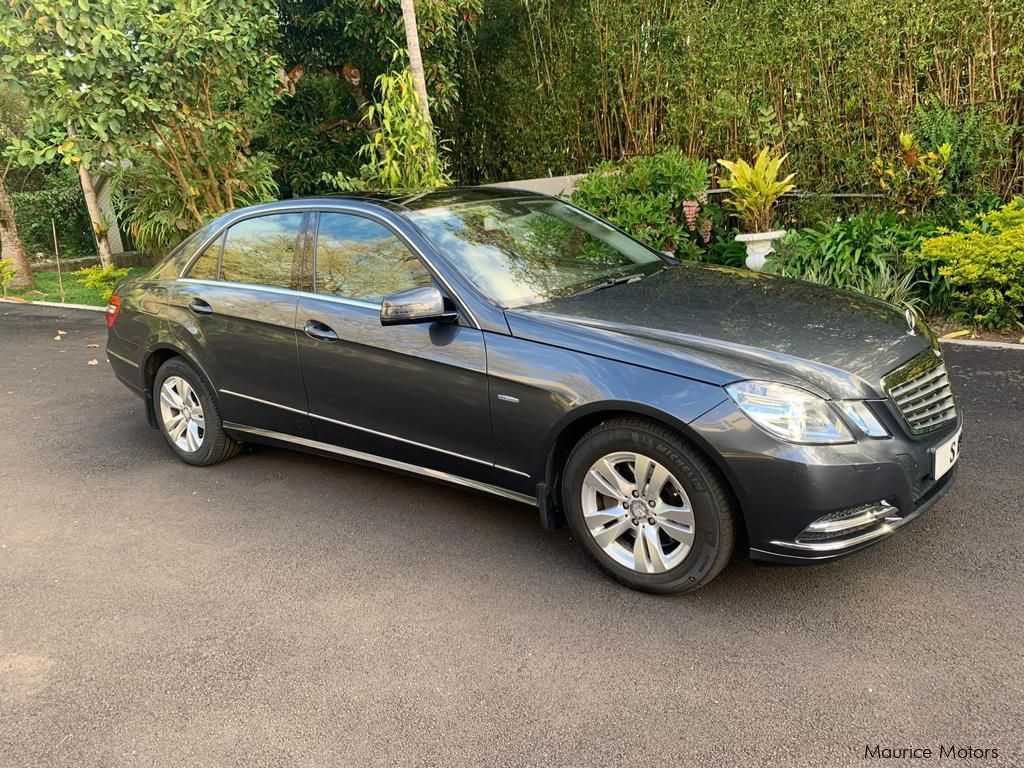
{"points": [[207, 265], [523, 251], [358, 258], [176, 260], [262, 251]]}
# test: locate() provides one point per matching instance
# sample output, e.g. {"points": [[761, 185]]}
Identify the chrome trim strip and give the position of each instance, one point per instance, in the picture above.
{"points": [[513, 471], [400, 439], [890, 525], [261, 402], [391, 463], [371, 431], [282, 291], [508, 398], [121, 358]]}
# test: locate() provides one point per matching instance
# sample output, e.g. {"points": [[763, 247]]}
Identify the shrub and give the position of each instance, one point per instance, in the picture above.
{"points": [[868, 253], [102, 279], [660, 200], [913, 178], [63, 204], [7, 274], [984, 264]]}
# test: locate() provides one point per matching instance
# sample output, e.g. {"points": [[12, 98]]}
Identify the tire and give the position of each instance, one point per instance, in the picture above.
{"points": [[686, 523], [180, 390]]}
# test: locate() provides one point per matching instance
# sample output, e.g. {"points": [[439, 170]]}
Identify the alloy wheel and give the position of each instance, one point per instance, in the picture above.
{"points": [[182, 414], [638, 512]]}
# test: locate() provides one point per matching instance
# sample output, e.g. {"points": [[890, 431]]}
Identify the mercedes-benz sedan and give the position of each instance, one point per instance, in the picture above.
{"points": [[513, 344]]}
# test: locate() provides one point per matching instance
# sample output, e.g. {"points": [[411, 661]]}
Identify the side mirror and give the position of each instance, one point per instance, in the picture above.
{"points": [[416, 305]]}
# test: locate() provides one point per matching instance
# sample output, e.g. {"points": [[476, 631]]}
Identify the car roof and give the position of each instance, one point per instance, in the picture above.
{"points": [[406, 202]]}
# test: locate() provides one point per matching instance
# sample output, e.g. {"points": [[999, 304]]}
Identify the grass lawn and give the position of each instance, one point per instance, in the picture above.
{"points": [[48, 289]]}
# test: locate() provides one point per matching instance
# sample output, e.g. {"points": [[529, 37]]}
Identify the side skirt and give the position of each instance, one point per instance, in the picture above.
{"points": [[369, 458]]}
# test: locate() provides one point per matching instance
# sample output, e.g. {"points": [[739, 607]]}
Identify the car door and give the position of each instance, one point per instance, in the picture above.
{"points": [[411, 393], [235, 311]]}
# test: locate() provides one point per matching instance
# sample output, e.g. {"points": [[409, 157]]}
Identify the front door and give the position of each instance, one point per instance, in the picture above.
{"points": [[416, 394], [235, 311]]}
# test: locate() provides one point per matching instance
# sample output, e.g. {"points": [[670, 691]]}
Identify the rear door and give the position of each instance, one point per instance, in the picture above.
{"points": [[412, 393], [235, 311]]}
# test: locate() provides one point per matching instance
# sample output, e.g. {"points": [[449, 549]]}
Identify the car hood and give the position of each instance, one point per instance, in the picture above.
{"points": [[720, 325]]}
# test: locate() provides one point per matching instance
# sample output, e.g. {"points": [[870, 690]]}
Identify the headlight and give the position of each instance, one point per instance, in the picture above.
{"points": [[789, 413], [857, 411]]}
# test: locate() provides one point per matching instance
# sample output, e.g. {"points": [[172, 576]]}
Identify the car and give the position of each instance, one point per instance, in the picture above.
{"points": [[667, 412]]}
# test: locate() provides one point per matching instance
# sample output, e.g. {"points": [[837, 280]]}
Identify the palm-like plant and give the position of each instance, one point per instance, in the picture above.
{"points": [[756, 188]]}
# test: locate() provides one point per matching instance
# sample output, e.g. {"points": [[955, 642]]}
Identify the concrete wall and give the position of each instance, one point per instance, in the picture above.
{"points": [[558, 186]]}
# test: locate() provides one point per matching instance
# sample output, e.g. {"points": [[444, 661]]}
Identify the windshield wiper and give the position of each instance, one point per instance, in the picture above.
{"points": [[611, 281]]}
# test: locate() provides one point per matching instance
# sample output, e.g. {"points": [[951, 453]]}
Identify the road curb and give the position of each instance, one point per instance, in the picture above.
{"points": [[982, 343], [54, 304]]}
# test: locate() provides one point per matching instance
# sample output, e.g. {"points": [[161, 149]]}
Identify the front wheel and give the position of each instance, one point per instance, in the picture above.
{"points": [[188, 415], [648, 507]]}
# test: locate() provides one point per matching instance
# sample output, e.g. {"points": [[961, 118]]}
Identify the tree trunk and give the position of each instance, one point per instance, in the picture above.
{"points": [[95, 216], [10, 244], [412, 41]]}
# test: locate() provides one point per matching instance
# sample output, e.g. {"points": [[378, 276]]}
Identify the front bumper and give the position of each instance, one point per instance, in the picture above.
{"points": [[794, 498]]}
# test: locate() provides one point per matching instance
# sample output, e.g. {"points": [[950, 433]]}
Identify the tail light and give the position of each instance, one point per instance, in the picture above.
{"points": [[113, 309]]}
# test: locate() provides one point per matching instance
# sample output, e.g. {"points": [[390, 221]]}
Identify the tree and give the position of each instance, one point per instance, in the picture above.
{"points": [[176, 89], [412, 44], [334, 51], [12, 107]]}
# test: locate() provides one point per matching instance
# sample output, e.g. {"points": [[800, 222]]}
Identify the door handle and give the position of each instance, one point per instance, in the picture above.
{"points": [[199, 307], [319, 331]]}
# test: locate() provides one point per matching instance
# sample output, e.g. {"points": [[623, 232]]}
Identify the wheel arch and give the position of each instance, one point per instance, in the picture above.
{"points": [[155, 358], [579, 422]]}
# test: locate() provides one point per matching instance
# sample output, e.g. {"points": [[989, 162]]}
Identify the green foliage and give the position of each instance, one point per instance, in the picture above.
{"points": [[754, 189], [63, 205], [867, 253], [123, 80], [402, 153], [157, 214], [984, 263], [659, 200], [102, 280], [555, 87], [333, 51], [7, 274], [912, 179], [310, 134]]}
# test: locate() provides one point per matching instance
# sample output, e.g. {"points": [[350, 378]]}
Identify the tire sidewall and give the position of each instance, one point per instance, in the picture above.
{"points": [[707, 516], [211, 414]]}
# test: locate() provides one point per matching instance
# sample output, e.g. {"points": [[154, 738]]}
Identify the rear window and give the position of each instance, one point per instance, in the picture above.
{"points": [[178, 259]]}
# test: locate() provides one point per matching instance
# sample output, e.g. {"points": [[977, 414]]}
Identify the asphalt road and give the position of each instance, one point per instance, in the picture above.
{"points": [[282, 609]]}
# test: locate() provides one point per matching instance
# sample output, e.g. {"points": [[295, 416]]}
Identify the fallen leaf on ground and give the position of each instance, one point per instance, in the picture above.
{"points": [[957, 334], [58, 337], [62, 333], [92, 346], [94, 361]]}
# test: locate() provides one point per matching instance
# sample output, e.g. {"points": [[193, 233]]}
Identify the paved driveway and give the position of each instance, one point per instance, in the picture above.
{"points": [[283, 609]]}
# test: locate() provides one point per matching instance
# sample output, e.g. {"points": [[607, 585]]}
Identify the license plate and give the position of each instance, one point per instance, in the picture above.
{"points": [[945, 456]]}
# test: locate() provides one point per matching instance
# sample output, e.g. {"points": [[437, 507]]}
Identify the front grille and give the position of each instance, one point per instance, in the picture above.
{"points": [[923, 398]]}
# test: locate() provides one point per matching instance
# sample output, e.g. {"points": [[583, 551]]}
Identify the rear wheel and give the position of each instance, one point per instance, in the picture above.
{"points": [[188, 415], [648, 507]]}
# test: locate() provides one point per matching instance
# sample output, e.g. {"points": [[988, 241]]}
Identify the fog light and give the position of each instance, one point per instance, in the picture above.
{"points": [[847, 521]]}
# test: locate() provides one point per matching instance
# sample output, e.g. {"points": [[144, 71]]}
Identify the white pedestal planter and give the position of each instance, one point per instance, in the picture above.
{"points": [[759, 245]]}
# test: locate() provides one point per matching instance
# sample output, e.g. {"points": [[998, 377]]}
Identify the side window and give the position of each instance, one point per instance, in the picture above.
{"points": [[357, 258], [205, 267], [262, 251]]}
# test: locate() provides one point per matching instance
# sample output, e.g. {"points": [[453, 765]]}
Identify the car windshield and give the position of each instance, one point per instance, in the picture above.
{"points": [[522, 251]]}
